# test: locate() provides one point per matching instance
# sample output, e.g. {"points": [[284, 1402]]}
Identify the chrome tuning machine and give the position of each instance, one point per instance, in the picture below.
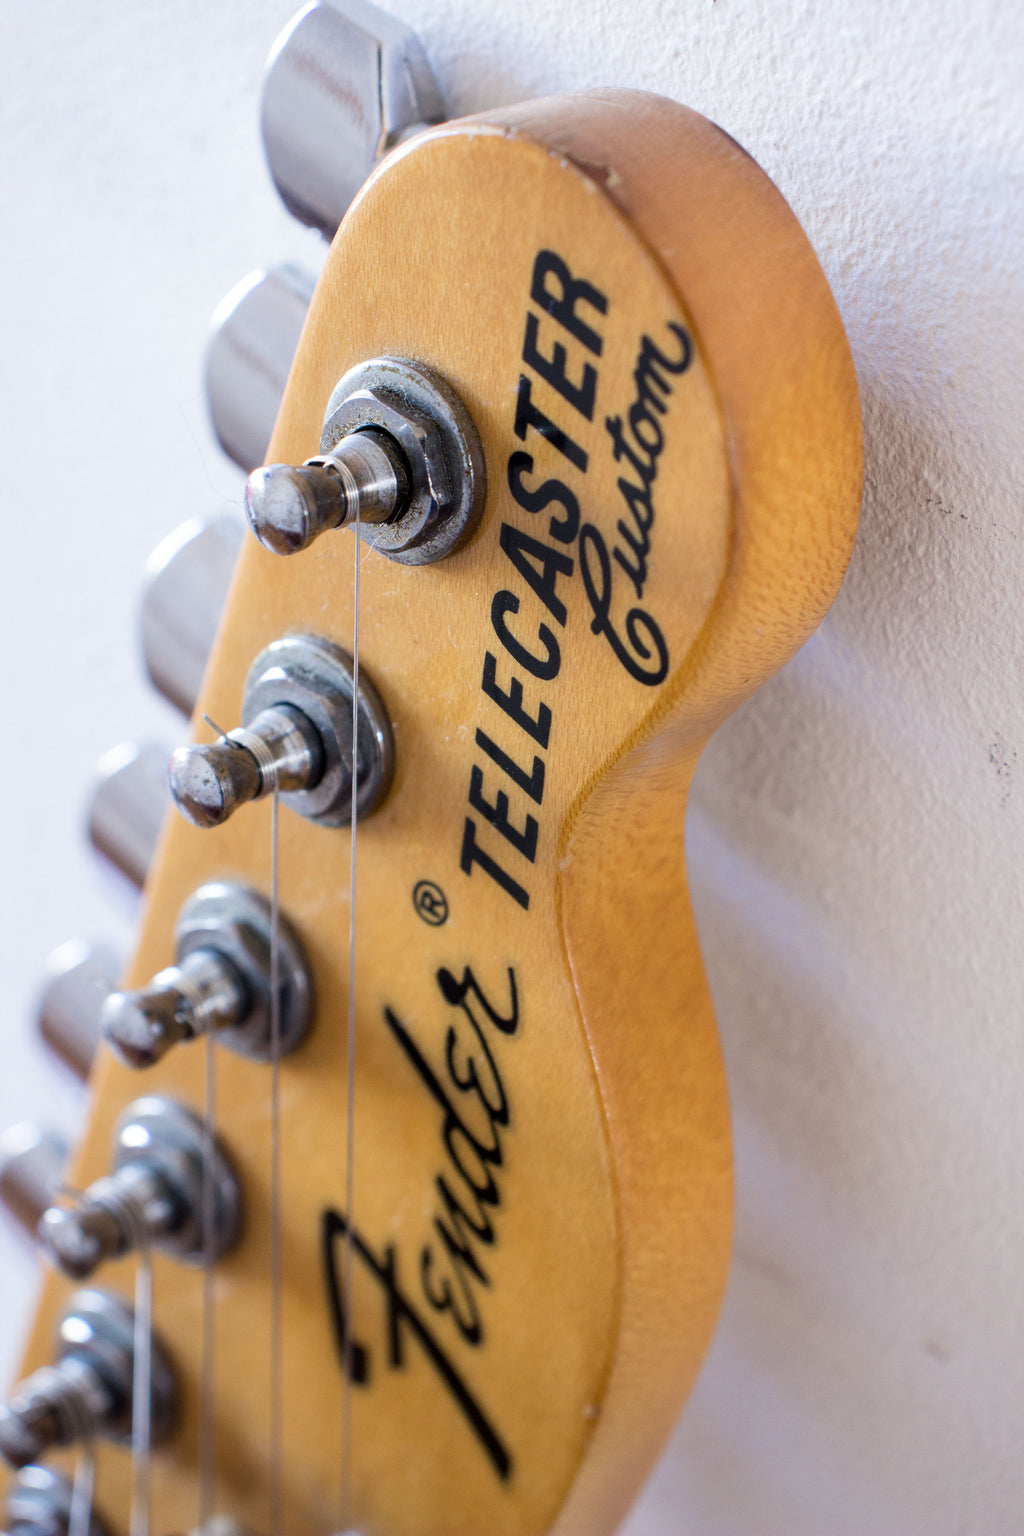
{"points": [[171, 1186], [296, 737], [88, 1391], [220, 983]]}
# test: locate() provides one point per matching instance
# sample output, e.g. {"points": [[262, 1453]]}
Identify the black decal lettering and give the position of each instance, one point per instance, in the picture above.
{"points": [[636, 571], [453, 1122], [562, 304], [530, 415], [354, 1358], [402, 1316], [472, 854], [647, 472], [544, 667], [532, 782], [466, 1321], [458, 992], [564, 528], [525, 841], [648, 380], [539, 565], [552, 370], [495, 1103], [512, 703], [646, 429], [644, 636]]}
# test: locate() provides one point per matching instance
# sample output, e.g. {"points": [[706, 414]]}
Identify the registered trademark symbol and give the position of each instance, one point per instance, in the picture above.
{"points": [[430, 902]]}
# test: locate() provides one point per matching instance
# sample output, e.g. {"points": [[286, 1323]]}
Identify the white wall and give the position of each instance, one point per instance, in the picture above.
{"points": [[857, 833]]}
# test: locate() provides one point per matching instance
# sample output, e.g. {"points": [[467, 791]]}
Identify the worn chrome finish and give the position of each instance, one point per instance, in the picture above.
{"points": [[88, 1391], [429, 504], [254, 333], [305, 682], [32, 1161], [447, 478], [187, 579], [127, 807], [279, 749], [79, 978], [345, 82], [220, 982], [155, 1195], [38, 1503], [289, 507]]}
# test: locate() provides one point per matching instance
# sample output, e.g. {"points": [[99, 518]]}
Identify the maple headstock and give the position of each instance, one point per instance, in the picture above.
{"points": [[668, 415]]}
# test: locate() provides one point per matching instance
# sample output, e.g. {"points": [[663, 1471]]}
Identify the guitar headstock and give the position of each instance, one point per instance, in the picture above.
{"points": [[520, 1268]]}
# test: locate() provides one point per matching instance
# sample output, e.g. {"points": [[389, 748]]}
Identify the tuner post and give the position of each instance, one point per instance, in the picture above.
{"points": [[399, 456], [88, 1391], [296, 737], [38, 1503], [167, 1173], [364, 479], [219, 984]]}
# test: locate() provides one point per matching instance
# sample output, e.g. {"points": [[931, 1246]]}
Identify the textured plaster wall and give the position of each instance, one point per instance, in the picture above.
{"points": [[857, 832]]}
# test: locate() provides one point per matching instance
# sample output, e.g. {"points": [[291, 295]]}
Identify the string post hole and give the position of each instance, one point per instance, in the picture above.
{"points": [[154, 1196], [38, 1503], [220, 983], [88, 1391], [399, 457], [296, 739]]}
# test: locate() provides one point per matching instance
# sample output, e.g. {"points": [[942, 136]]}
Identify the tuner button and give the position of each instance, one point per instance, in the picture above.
{"points": [[210, 781], [255, 331], [187, 579], [79, 979], [345, 83], [127, 807], [32, 1164]]}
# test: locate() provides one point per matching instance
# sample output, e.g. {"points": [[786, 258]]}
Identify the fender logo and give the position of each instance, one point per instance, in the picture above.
{"points": [[643, 652], [474, 1113]]}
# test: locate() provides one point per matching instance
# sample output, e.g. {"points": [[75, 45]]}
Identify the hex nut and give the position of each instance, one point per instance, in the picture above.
{"points": [[436, 435]]}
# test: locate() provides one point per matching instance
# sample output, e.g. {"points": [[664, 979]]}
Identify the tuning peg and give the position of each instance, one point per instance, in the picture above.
{"points": [[220, 982], [89, 1389], [187, 579], [32, 1161], [296, 737], [254, 334], [127, 806], [38, 1503], [399, 454], [345, 83], [79, 978], [157, 1194]]}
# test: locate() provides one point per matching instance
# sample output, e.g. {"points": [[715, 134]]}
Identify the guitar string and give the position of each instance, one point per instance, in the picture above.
{"points": [[142, 1401], [207, 1381], [82, 1490], [276, 1463], [347, 1512]]}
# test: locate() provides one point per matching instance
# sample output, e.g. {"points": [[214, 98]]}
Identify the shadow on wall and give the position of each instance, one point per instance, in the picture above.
{"points": [[850, 842]]}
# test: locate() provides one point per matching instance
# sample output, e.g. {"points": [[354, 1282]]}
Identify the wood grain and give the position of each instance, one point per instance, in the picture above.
{"points": [[596, 1289]]}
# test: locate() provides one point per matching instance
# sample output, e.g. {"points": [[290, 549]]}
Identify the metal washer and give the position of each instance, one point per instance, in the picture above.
{"points": [[235, 922], [315, 676], [441, 447]]}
